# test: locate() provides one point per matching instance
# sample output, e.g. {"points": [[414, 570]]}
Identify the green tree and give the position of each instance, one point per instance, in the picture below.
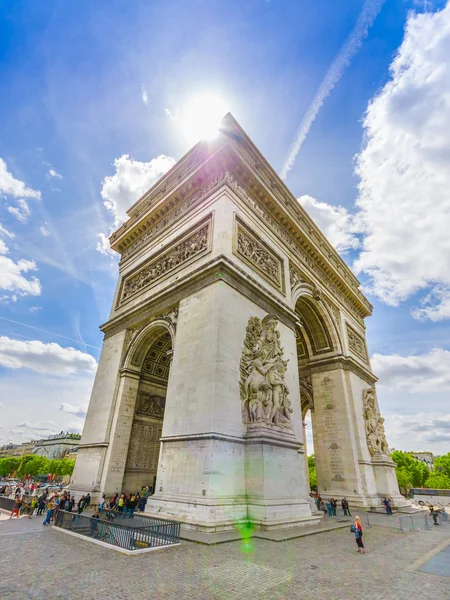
{"points": [[312, 471], [8, 465], [438, 481], [442, 464], [67, 466], [410, 471], [23, 466]]}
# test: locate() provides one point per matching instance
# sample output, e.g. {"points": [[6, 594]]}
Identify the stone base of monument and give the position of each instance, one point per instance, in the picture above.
{"points": [[386, 479], [275, 490]]}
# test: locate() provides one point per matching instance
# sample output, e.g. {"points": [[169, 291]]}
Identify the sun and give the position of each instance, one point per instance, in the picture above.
{"points": [[200, 117]]}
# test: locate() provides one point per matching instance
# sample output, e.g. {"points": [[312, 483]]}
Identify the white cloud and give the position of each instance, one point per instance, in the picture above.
{"points": [[22, 211], [405, 176], [3, 247], [44, 358], [130, 181], [419, 431], [76, 410], [53, 173], [12, 277], [14, 187], [35, 308], [47, 426], [337, 224], [6, 233], [417, 373], [43, 229], [144, 95], [103, 245]]}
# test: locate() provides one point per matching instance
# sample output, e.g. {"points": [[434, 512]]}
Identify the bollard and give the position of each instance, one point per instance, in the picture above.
{"points": [[401, 526], [427, 525], [412, 524]]}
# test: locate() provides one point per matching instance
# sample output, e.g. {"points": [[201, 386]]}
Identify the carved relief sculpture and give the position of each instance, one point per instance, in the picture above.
{"points": [[356, 343], [374, 424], [264, 394], [179, 254], [259, 256]]}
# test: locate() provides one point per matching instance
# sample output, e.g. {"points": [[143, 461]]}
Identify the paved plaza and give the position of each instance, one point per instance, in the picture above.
{"points": [[38, 563]]}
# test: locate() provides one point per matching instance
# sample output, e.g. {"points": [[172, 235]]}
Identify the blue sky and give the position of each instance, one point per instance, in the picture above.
{"points": [[85, 83]]}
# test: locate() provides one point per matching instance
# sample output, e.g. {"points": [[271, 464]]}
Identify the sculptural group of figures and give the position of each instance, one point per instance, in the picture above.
{"points": [[376, 437], [264, 394]]}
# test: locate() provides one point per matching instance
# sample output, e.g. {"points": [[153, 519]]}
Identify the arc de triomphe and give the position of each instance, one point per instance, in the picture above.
{"points": [[233, 316]]}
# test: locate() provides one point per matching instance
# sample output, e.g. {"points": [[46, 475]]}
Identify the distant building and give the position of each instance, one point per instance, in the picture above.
{"points": [[55, 446], [425, 457]]}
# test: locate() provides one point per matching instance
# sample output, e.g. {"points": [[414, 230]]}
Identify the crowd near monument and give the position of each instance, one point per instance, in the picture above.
{"points": [[232, 318]]}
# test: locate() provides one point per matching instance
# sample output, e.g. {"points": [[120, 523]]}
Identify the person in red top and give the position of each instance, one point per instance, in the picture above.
{"points": [[358, 530]]}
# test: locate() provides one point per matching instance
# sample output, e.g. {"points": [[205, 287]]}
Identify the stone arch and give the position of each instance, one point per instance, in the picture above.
{"points": [[318, 333], [144, 339]]}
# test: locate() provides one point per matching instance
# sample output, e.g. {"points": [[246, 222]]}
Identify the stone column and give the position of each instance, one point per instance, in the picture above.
{"points": [[337, 443], [115, 462]]}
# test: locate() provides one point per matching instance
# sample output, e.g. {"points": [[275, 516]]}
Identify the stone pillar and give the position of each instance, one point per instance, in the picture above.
{"points": [[116, 458], [337, 444], [93, 448], [213, 470]]}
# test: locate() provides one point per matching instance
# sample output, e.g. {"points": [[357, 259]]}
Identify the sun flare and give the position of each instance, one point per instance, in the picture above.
{"points": [[200, 117]]}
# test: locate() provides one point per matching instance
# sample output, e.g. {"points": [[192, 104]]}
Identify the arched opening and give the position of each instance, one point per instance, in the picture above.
{"points": [[316, 339], [152, 354]]}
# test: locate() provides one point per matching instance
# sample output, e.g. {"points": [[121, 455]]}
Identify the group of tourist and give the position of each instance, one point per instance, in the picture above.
{"points": [[329, 507], [124, 505]]}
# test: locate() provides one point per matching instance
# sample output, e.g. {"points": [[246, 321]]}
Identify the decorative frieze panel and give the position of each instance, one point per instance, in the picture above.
{"points": [[264, 394], [374, 424], [190, 247], [250, 248], [356, 343], [151, 405]]}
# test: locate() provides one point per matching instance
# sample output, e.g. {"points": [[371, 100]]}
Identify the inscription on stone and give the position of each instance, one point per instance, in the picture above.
{"points": [[331, 428], [144, 446]]}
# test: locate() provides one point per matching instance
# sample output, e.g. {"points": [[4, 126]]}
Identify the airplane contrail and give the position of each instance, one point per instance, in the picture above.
{"points": [[351, 46], [50, 332]]}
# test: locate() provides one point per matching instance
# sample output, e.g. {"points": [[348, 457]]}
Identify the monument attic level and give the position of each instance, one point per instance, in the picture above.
{"points": [[232, 317]]}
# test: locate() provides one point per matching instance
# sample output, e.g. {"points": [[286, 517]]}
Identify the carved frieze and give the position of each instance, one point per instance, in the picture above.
{"points": [[356, 343], [151, 405], [264, 394], [374, 424], [252, 250], [179, 254]]}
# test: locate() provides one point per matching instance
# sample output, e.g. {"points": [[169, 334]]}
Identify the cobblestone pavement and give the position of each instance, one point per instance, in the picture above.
{"points": [[49, 564]]}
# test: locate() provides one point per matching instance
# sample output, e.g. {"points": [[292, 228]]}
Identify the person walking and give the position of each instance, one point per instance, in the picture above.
{"points": [[357, 529], [16, 508], [120, 503], [80, 505], [87, 500], [50, 511], [93, 523], [101, 504], [345, 507], [328, 507], [387, 506]]}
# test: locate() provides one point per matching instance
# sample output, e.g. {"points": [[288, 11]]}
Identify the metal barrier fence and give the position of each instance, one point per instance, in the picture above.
{"points": [[129, 534], [423, 522], [6, 503]]}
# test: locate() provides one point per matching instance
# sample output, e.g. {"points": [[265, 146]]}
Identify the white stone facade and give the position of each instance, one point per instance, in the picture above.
{"points": [[216, 244]]}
